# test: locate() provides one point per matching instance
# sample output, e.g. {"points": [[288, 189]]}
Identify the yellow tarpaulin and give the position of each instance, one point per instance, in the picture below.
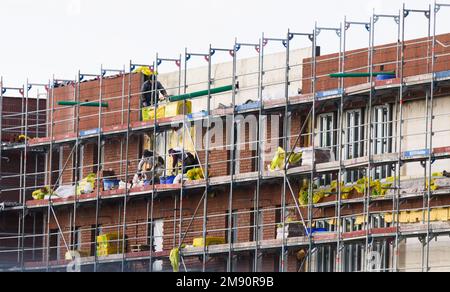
{"points": [[177, 108], [442, 214], [360, 220], [148, 113], [404, 217], [198, 242], [195, 174], [389, 218], [415, 217], [175, 259]]}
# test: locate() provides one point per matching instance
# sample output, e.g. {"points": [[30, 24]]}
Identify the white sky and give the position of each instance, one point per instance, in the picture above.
{"points": [[44, 37]]}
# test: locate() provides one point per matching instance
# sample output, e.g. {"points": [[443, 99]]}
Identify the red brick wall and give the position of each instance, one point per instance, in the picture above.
{"points": [[416, 63], [12, 118], [13, 124], [112, 93]]}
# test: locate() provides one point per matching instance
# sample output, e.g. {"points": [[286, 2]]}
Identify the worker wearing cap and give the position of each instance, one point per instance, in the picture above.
{"points": [[151, 90], [189, 160], [146, 166]]}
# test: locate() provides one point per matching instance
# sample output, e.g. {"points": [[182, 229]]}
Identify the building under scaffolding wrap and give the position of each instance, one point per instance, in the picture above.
{"points": [[298, 171]]}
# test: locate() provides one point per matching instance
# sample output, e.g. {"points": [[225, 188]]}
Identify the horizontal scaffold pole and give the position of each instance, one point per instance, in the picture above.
{"points": [[87, 104], [201, 93], [358, 75]]}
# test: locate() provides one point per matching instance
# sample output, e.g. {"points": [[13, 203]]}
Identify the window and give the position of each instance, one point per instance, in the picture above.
{"points": [[382, 138], [325, 225], [327, 131], [158, 266], [258, 225], [157, 241], [271, 135], [61, 162], [78, 172], [327, 123], [94, 235], [54, 245], [353, 257], [246, 137], [325, 259], [354, 147], [77, 239], [234, 226], [98, 161]]}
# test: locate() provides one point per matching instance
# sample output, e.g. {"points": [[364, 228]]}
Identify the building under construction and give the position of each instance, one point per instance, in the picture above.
{"points": [[306, 162]]}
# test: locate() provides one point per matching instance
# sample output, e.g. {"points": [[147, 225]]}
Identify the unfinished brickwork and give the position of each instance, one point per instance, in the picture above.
{"points": [[258, 214]]}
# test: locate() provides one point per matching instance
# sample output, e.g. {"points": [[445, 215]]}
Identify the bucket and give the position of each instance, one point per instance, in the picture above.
{"points": [[385, 77], [110, 184], [170, 180]]}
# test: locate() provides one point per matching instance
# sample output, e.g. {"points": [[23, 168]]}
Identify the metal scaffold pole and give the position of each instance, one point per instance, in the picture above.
{"points": [[27, 89], [286, 146], [312, 140], [293, 146], [78, 172], [1, 133], [155, 97], [98, 163], [21, 171], [50, 163], [232, 164], [354, 204], [184, 234], [398, 125], [127, 159], [436, 10], [369, 149], [259, 151], [286, 140], [339, 33], [426, 197], [208, 129], [184, 144], [24, 180]]}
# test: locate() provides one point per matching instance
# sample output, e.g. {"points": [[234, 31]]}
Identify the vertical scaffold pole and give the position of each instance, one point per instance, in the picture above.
{"points": [[1, 133], [127, 155], [78, 154], [436, 9], [395, 201], [50, 180], [24, 194], [208, 129], [367, 200], [312, 138], [285, 135], [232, 166], [286, 146]]}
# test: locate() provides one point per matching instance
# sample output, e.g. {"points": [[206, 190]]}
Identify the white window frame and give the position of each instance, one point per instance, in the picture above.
{"points": [[352, 126], [157, 239], [350, 130], [323, 133], [383, 141]]}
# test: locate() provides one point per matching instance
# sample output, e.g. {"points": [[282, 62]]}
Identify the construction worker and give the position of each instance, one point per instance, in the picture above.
{"points": [[151, 90], [146, 168], [189, 161]]}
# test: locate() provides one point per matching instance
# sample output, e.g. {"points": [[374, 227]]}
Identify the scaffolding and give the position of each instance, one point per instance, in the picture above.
{"points": [[344, 238]]}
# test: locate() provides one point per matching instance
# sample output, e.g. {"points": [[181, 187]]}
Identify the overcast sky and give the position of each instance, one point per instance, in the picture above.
{"points": [[40, 38]]}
